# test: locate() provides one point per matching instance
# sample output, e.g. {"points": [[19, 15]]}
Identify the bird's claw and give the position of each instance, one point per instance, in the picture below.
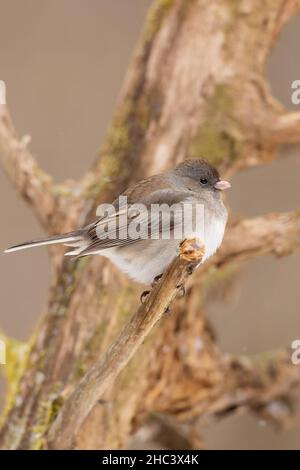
{"points": [[181, 290], [156, 279], [168, 311], [144, 295], [190, 270]]}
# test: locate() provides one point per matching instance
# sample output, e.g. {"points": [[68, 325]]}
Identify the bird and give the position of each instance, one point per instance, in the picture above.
{"points": [[193, 183]]}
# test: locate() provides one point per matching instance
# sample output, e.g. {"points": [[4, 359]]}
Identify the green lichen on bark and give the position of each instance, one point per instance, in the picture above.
{"points": [[125, 388], [17, 354], [66, 285], [46, 413], [123, 310], [126, 132], [154, 19], [220, 137], [233, 7]]}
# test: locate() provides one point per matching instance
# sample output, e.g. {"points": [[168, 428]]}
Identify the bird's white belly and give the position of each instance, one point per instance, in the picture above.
{"points": [[213, 236], [146, 259]]}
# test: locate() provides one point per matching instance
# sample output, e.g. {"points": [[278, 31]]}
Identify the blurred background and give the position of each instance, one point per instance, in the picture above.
{"points": [[63, 63]]}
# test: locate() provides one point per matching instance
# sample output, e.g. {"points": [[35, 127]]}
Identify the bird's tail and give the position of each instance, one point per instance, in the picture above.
{"points": [[69, 239]]}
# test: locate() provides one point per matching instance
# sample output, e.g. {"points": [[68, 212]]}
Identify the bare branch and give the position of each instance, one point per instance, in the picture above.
{"points": [[263, 384], [259, 382], [108, 367], [56, 206], [277, 233], [285, 129], [33, 184]]}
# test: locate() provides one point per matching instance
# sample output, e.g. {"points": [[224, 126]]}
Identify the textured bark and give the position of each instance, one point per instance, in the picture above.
{"points": [[191, 89], [105, 371]]}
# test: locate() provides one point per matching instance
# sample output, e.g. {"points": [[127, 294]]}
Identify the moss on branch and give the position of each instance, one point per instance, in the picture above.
{"points": [[220, 137]]}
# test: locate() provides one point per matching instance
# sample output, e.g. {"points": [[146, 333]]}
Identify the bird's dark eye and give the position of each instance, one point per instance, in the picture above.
{"points": [[203, 181]]}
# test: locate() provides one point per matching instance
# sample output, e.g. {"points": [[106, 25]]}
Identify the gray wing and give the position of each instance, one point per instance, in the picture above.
{"points": [[111, 230]]}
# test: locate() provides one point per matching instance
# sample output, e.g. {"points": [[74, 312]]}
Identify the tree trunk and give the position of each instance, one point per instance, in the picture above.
{"points": [[195, 87]]}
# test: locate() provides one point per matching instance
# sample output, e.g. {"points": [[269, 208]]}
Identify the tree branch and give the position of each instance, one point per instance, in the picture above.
{"points": [[104, 372], [277, 233], [56, 206], [188, 92], [257, 382], [263, 384], [285, 129]]}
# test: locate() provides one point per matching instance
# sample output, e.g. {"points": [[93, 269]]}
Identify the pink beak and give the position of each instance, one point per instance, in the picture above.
{"points": [[222, 184]]}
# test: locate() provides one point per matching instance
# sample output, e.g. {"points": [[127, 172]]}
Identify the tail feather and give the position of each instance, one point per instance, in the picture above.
{"points": [[67, 238]]}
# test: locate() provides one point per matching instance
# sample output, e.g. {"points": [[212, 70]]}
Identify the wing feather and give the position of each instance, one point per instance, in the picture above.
{"points": [[111, 231]]}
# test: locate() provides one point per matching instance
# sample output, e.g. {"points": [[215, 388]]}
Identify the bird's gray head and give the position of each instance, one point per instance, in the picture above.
{"points": [[202, 173]]}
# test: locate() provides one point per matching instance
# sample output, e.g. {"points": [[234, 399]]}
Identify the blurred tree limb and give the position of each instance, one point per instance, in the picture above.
{"points": [[48, 200], [195, 87]]}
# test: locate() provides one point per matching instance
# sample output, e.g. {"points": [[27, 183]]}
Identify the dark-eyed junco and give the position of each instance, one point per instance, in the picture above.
{"points": [[140, 244]]}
